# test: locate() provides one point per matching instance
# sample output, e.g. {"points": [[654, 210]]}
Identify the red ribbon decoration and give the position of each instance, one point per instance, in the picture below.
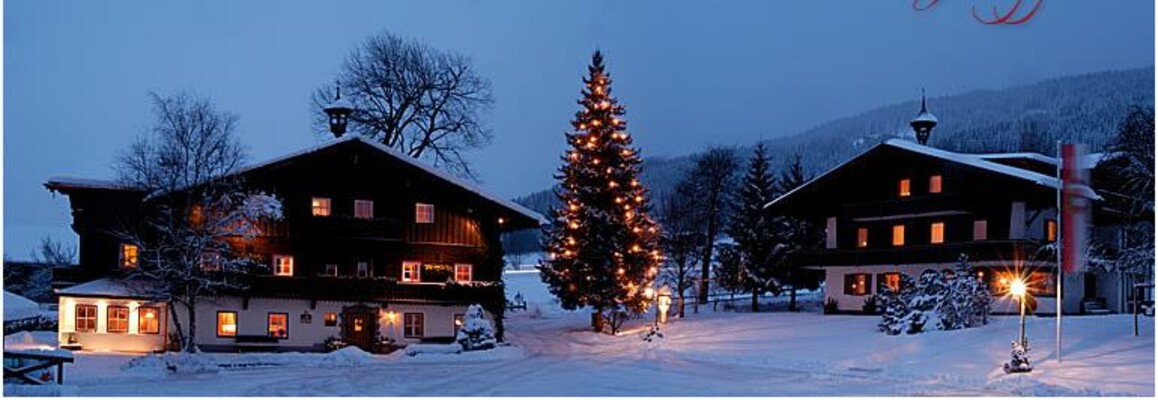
{"points": [[1009, 18]]}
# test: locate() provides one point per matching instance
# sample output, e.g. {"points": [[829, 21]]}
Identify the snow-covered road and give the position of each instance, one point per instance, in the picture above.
{"points": [[781, 354]]}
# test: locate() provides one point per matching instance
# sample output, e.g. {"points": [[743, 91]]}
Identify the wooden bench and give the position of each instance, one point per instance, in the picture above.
{"points": [[24, 365]]}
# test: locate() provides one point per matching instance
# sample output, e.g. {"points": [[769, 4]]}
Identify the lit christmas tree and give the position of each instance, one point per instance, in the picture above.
{"points": [[603, 249]]}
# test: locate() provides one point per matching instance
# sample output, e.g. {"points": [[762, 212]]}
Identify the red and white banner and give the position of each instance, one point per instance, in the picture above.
{"points": [[1075, 203]]}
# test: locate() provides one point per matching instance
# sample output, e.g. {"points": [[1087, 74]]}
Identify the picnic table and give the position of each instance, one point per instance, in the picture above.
{"points": [[35, 366]]}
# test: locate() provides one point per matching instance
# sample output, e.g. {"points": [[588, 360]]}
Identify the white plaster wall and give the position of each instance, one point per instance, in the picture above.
{"points": [[101, 339]]}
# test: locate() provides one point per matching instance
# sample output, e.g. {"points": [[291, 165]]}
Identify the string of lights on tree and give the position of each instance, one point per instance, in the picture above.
{"points": [[602, 246]]}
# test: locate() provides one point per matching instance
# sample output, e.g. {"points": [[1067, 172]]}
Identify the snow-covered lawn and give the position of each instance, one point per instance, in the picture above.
{"points": [[780, 354]]}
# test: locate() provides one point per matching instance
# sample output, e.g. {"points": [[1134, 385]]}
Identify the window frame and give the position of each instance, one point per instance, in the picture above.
{"points": [[1050, 228], [142, 328], [937, 236], [77, 318], [417, 272], [359, 203], [898, 235], [326, 270], [129, 261], [849, 277], [358, 269], [936, 183], [406, 325], [423, 213], [236, 324], [862, 237], [469, 272], [330, 319], [269, 324], [883, 279], [321, 206], [277, 266], [109, 318], [905, 187]]}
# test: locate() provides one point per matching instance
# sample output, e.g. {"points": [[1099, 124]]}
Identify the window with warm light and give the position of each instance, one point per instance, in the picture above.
{"points": [[898, 235], [862, 237], [358, 324], [411, 271], [363, 269], [856, 284], [278, 326], [283, 265], [364, 209], [935, 184], [980, 229], [424, 213], [1050, 230], [148, 320], [320, 206], [116, 319], [413, 325], [462, 272], [331, 270], [226, 323], [129, 255], [86, 318], [904, 187], [937, 233], [890, 281], [331, 319]]}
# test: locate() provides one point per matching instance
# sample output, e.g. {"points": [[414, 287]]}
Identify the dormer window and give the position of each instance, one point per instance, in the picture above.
{"points": [[423, 213], [935, 184], [129, 255], [320, 206], [364, 209], [904, 188]]}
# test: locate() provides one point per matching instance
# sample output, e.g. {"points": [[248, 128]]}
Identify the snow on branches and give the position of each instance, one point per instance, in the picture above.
{"points": [[945, 300]]}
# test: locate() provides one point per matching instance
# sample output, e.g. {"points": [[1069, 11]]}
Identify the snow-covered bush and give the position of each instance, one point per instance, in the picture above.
{"points": [[871, 304], [938, 301], [476, 333], [831, 306]]}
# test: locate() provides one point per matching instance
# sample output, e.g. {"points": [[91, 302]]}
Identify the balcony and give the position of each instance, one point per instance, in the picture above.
{"points": [[988, 250], [341, 227], [368, 289]]}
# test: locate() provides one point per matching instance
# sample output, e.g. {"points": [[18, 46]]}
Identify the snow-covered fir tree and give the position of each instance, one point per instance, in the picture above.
{"points": [[602, 246], [937, 301], [476, 333], [753, 229], [896, 317]]}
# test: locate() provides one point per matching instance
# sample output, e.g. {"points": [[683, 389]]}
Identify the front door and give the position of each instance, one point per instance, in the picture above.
{"points": [[1091, 286], [360, 326]]}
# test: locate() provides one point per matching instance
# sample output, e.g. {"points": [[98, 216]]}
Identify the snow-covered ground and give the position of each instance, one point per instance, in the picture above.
{"points": [[709, 353]]}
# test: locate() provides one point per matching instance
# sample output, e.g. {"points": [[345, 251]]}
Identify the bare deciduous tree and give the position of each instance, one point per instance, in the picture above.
{"points": [[681, 240], [193, 210], [53, 252], [711, 182], [414, 98]]}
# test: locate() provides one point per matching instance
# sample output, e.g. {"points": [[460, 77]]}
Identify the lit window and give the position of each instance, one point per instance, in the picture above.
{"points": [[937, 233], [278, 325], [462, 272], [148, 320], [359, 323], [128, 255], [117, 319], [363, 269], [862, 237], [1050, 230], [331, 319], [856, 284], [331, 269], [413, 325], [935, 184], [889, 281], [898, 235], [364, 209], [86, 318], [283, 265], [226, 323], [424, 213], [320, 206], [980, 229], [411, 271], [458, 320], [904, 188]]}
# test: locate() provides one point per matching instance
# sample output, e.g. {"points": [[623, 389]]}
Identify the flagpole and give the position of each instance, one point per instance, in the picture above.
{"points": [[1058, 248]]}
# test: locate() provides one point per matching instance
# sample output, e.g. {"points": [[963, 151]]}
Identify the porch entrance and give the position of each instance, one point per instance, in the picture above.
{"points": [[360, 326]]}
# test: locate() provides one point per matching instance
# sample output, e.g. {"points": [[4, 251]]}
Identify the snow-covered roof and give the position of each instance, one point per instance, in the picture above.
{"points": [[1088, 161], [86, 183], [972, 160], [340, 103], [925, 116], [18, 307], [107, 287]]}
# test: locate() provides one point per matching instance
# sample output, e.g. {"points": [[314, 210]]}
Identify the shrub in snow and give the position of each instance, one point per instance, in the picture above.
{"points": [[333, 343], [476, 333], [938, 301], [386, 345], [1019, 359], [871, 304], [830, 306], [895, 318], [653, 335]]}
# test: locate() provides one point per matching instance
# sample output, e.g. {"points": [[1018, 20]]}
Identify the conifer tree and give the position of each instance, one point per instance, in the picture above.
{"points": [[603, 249], [752, 228]]}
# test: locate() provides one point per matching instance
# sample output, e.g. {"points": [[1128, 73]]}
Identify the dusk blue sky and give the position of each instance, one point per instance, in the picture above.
{"points": [[691, 74]]}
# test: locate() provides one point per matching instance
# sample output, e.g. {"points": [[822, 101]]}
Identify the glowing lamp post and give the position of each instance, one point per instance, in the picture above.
{"points": [[664, 303], [1019, 361]]}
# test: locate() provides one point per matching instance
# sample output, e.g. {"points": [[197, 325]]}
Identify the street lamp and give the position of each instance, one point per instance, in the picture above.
{"points": [[1019, 357], [664, 303]]}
